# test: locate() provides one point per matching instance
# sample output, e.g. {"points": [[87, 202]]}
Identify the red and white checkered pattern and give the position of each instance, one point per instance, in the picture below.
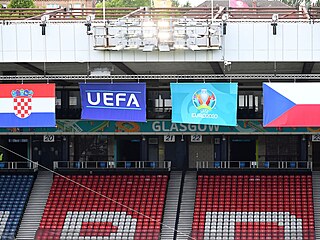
{"points": [[22, 107]]}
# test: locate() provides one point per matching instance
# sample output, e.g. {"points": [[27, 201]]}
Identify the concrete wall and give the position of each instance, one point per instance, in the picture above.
{"points": [[203, 151], [244, 42]]}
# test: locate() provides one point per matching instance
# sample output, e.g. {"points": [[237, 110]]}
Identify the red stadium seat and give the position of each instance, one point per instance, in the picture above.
{"points": [[253, 207], [73, 211]]}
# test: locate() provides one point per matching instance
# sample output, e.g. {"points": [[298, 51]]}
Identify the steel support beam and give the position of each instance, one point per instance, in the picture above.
{"points": [[199, 77], [216, 67], [307, 67], [32, 68], [124, 68]]}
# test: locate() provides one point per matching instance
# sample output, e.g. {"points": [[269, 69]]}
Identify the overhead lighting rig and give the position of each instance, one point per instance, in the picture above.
{"points": [[163, 35]]}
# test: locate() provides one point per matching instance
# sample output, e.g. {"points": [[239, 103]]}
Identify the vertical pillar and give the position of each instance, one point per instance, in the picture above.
{"points": [[303, 151], [224, 149], [144, 149]]}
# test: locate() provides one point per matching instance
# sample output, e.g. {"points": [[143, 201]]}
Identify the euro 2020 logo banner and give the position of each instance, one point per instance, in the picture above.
{"points": [[204, 103]]}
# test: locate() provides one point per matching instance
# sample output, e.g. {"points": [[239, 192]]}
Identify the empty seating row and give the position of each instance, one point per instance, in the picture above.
{"points": [[104, 207], [253, 207]]}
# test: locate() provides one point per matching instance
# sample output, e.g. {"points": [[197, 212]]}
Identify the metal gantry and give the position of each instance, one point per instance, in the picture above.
{"points": [[173, 77]]}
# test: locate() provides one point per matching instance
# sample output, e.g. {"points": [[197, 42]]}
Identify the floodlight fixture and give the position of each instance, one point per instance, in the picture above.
{"points": [[148, 34], [275, 17], [274, 23], [180, 46], [224, 18], [89, 19], [147, 24], [148, 29], [43, 24], [164, 36], [194, 47], [163, 24], [164, 48], [148, 48], [117, 48]]}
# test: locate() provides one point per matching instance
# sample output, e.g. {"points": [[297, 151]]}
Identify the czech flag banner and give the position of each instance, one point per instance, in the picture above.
{"points": [[238, 4], [291, 105], [27, 105], [204, 103]]}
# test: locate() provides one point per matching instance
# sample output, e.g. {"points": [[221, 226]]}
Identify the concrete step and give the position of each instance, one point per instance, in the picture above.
{"points": [[171, 206], [37, 201]]}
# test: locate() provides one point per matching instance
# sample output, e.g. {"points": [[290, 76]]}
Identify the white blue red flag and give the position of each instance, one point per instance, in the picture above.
{"points": [[27, 105], [291, 105]]}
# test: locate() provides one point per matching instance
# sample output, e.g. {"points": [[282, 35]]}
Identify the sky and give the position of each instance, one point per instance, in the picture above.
{"points": [[193, 2]]}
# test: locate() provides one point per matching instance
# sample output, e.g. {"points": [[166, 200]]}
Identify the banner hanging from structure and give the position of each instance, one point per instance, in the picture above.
{"points": [[238, 4], [27, 105], [204, 103], [113, 101], [291, 105]]}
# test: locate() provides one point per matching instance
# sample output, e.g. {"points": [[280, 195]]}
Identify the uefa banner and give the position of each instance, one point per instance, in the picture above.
{"points": [[204, 103], [113, 101], [27, 105], [291, 104]]}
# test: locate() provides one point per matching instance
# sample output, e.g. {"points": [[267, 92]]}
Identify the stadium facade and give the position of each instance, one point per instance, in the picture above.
{"points": [[156, 46], [245, 48]]}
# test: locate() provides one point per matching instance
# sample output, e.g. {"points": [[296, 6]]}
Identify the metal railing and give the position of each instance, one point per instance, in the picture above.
{"points": [[19, 166], [258, 13], [59, 165], [254, 165], [53, 233], [290, 233]]}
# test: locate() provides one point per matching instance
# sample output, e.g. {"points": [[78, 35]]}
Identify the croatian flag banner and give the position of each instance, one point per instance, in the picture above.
{"points": [[291, 105], [113, 101], [27, 105]]}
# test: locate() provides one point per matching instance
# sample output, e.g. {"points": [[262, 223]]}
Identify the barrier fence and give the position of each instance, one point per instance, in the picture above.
{"points": [[112, 165], [19, 166], [62, 13], [254, 164]]}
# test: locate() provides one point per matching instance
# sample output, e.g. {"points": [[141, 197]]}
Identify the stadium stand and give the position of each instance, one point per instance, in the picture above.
{"points": [[254, 207], [14, 193], [74, 212]]}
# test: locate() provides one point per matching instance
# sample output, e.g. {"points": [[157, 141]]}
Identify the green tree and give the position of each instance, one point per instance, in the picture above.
{"points": [[187, 4], [125, 3], [306, 3], [175, 3], [21, 4]]}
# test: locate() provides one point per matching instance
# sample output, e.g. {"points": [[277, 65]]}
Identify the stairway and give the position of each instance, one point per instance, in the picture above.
{"points": [[36, 204], [171, 206], [187, 205], [316, 201]]}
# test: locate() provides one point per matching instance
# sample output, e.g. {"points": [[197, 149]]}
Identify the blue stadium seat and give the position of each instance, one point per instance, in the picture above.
{"points": [[152, 164], [292, 165], [128, 165], [217, 164], [242, 164], [77, 164], [14, 191], [103, 164]]}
